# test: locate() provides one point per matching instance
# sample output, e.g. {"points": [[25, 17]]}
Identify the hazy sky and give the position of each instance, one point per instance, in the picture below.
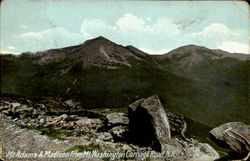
{"points": [[152, 26]]}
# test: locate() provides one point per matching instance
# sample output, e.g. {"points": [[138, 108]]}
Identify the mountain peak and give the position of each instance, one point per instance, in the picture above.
{"points": [[190, 47], [100, 40], [98, 51]]}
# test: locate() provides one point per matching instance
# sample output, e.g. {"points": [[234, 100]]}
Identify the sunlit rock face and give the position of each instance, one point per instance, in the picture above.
{"points": [[235, 134], [149, 124]]}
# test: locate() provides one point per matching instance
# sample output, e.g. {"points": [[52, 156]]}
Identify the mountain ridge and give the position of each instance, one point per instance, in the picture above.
{"points": [[98, 51], [217, 53], [100, 73], [102, 41]]}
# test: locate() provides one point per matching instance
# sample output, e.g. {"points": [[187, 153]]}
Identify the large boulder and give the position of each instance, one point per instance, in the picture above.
{"points": [[148, 123], [149, 126], [234, 134]]}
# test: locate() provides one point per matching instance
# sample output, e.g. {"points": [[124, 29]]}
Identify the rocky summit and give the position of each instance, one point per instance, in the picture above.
{"points": [[96, 129]]}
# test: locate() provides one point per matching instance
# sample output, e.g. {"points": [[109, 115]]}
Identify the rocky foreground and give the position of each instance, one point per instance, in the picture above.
{"points": [[236, 135], [145, 132]]}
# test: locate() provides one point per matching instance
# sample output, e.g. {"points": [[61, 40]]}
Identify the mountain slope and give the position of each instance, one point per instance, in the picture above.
{"points": [[225, 78], [100, 73], [95, 52], [216, 67]]}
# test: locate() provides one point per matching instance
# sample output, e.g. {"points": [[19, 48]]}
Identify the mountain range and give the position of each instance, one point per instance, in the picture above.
{"points": [[208, 86]]}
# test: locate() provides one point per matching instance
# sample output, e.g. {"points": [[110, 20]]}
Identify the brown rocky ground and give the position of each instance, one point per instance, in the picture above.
{"points": [[31, 127]]}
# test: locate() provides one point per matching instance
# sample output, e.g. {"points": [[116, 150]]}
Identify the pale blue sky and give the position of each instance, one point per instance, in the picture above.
{"points": [[152, 26]]}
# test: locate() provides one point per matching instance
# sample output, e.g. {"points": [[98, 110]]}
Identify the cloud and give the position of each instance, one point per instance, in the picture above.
{"points": [[132, 30], [235, 47], [155, 36], [164, 33], [130, 22], [51, 38], [127, 23], [126, 30], [214, 35], [32, 34], [11, 47], [214, 30], [95, 27], [155, 52], [148, 18], [56, 31], [7, 52]]}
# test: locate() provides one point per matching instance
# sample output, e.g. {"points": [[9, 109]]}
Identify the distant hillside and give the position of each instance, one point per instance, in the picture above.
{"points": [[209, 86], [224, 75]]}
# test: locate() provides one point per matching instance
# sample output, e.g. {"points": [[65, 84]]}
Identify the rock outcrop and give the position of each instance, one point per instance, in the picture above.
{"points": [[146, 130], [149, 126], [234, 134]]}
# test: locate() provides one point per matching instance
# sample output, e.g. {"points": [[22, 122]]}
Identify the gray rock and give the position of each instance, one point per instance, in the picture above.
{"points": [[42, 121], [116, 118], [35, 113], [119, 133], [105, 136], [69, 103], [148, 123], [22, 109], [126, 147], [149, 126], [42, 106], [235, 134], [62, 117], [25, 115], [198, 151], [14, 105], [71, 124], [89, 124], [6, 112]]}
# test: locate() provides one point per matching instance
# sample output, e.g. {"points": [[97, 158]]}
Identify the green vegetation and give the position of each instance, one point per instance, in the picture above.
{"points": [[54, 133], [122, 109], [220, 88], [209, 94], [202, 135]]}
